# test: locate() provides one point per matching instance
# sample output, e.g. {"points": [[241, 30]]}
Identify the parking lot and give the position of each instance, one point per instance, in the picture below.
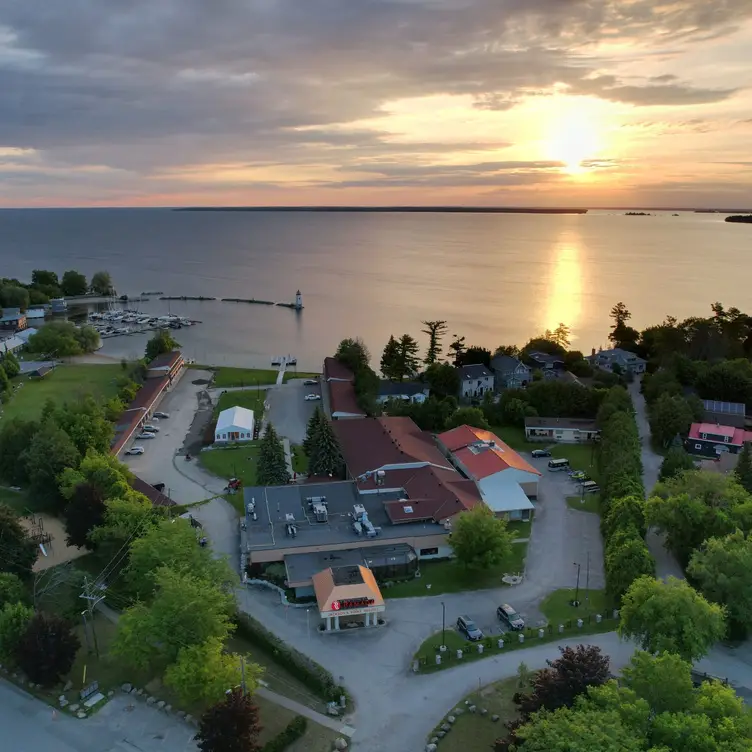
{"points": [[289, 412]]}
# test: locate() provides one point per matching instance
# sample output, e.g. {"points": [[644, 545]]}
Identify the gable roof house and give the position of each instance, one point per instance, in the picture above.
{"points": [[475, 380], [714, 439], [406, 391], [505, 480], [340, 399], [510, 373], [625, 360]]}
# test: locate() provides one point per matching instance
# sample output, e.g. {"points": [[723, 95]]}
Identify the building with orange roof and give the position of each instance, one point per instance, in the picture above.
{"points": [[348, 597], [506, 481]]}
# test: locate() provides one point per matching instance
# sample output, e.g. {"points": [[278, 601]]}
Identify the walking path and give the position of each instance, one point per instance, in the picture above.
{"points": [[323, 720], [288, 456]]}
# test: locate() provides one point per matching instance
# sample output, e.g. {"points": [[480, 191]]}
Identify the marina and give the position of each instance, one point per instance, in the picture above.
{"points": [[116, 323]]}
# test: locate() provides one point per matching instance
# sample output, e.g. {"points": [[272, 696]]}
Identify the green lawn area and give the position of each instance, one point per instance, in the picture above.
{"points": [[299, 459], [448, 576], [233, 462], [579, 456], [473, 732], [227, 377], [17, 500], [520, 529], [253, 400], [515, 437], [591, 502], [557, 607], [65, 383]]}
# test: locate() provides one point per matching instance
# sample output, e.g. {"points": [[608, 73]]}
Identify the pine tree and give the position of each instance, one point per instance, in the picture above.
{"points": [[314, 423], [743, 471], [326, 454], [272, 468], [408, 359], [390, 360], [435, 331]]}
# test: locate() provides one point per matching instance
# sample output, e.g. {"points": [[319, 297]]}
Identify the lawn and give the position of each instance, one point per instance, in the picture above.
{"points": [[233, 462], [253, 400], [66, 382], [227, 377], [580, 456], [515, 437], [299, 459], [17, 500], [473, 732], [520, 528], [448, 576], [591, 502], [557, 607]]}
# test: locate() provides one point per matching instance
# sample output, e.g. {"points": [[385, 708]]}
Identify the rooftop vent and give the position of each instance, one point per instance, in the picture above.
{"points": [[320, 511], [289, 518]]}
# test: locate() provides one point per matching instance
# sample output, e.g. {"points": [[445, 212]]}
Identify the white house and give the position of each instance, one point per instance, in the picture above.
{"points": [[476, 380], [561, 430], [403, 391], [234, 424]]}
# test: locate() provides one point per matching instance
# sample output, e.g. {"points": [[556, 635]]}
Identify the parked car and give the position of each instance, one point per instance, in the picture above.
{"points": [[312, 397], [540, 453], [146, 435], [311, 382], [135, 450], [467, 626], [159, 486], [579, 475], [151, 429], [164, 416], [510, 617]]}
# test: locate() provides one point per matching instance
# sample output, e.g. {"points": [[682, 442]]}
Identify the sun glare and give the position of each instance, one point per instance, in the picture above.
{"points": [[573, 140]]}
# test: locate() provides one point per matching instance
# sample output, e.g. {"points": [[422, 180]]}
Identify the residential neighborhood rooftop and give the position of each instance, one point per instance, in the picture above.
{"points": [[583, 424], [736, 436], [474, 371]]}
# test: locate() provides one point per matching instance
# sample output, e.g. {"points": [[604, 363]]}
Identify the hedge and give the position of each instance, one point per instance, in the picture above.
{"points": [[289, 734], [310, 673], [622, 495]]}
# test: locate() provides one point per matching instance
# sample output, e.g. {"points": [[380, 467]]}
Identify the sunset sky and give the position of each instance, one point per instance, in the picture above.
{"points": [[368, 102]]}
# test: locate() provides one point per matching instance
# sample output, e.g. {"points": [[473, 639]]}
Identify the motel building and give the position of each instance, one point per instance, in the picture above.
{"points": [[348, 598]]}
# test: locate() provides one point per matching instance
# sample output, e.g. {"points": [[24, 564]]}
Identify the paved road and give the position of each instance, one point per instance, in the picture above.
{"points": [[288, 410], [665, 563], [27, 726]]}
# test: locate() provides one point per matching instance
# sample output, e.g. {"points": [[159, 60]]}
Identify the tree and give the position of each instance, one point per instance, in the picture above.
{"points": [[390, 367], [86, 424], [480, 540], [722, 569], [670, 616], [471, 416], [110, 477], [50, 452], [11, 589], [60, 339], [124, 518], [627, 559], [353, 354], [4, 382], [743, 469], [186, 611], [408, 359], [435, 331], [443, 379], [74, 283], [10, 365], [675, 463], [203, 673], [272, 467], [620, 314], [624, 513], [19, 552], [101, 284], [15, 437], [669, 416], [172, 543], [161, 342], [230, 726], [314, 424], [565, 679], [514, 412], [457, 348], [13, 296], [88, 338], [664, 681], [326, 453], [366, 389], [561, 335], [46, 651], [14, 621], [474, 356], [113, 408], [44, 277], [84, 511]]}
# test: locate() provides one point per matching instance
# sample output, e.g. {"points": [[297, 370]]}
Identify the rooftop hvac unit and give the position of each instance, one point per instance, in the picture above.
{"points": [[371, 531], [291, 530], [358, 528], [359, 511], [289, 518], [251, 505], [316, 499], [321, 512]]}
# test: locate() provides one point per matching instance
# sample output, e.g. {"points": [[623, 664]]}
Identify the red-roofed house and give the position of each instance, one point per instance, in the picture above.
{"points": [[505, 480], [342, 402], [712, 439]]}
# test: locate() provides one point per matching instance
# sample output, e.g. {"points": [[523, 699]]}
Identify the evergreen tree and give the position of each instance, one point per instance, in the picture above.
{"points": [[435, 331], [390, 360], [11, 365], [743, 471], [407, 360], [4, 382], [326, 455], [272, 468], [314, 423]]}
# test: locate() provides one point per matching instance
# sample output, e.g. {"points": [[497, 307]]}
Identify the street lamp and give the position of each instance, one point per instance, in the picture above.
{"points": [[443, 625], [576, 602], [308, 622]]}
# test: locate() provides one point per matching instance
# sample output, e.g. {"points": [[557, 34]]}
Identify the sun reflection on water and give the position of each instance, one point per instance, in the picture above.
{"points": [[564, 285]]}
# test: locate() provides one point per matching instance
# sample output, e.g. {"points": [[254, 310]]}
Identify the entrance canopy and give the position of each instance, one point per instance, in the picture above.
{"points": [[347, 591]]}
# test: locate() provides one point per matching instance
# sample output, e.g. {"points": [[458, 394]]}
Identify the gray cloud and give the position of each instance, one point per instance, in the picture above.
{"points": [[609, 87]]}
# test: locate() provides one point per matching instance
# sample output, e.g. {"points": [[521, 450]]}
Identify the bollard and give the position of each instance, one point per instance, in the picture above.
{"points": [[521, 637], [442, 648], [459, 654], [561, 629], [416, 667], [500, 643], [579, 623], [438, 659], [598, 618], [541, 632], [480, 647]]}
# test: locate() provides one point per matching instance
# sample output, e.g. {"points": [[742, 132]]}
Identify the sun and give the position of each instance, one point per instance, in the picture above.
{"points": [[574, 139]]}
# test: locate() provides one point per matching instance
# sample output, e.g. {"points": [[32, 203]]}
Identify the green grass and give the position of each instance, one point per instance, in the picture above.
{"points": [[515, 437], [17, 500], [473, 732], [590, 503], [252, 400], [449, 576], [227, 377], [238, 462], [520, 528], [557, 607], [299, 459], [65, 383], [579, 456]]}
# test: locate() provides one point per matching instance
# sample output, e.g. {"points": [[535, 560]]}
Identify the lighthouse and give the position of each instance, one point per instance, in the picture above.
{"points": [[298, 301]]}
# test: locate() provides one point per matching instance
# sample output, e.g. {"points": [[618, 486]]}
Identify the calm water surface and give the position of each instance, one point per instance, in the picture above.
{"points": [[496, 279]]}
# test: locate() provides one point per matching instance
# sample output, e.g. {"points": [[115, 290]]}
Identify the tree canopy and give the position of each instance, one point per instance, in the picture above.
{"points": [[14, 621], [325, 454], [471, 416], [47, 649], [12, 589], [743, 469], [669, 416], [160, 343], [436, 330], [101, 284], [61, 339], [353, 354], [102, 471], [74, 283], [675, 463], [84, 511], [17, 551], [443, 379], [670, 616], [230, 726], [479, 539]]}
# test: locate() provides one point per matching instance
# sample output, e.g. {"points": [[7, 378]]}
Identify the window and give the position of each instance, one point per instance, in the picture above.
{"points": [[698, 446], [429, 551]]}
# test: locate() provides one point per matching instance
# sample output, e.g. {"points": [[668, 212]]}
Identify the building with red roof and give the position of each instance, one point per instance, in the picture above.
{"points": [[713, 439], [506, 481], [341, 402]]}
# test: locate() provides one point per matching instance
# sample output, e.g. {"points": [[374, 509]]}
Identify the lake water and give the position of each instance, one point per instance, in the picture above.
{"points": [[496, 278]]}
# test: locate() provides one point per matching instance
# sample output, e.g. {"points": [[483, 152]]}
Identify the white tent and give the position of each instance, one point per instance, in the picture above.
{"points": [[234, 424]]}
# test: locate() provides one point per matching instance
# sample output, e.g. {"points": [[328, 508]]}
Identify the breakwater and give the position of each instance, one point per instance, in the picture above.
{"points": [[248, 300]]}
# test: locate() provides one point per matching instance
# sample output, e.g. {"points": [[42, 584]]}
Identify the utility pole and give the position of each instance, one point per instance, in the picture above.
{"points": [[587, 580], [443, 624], [576, 601], [91, 601]]}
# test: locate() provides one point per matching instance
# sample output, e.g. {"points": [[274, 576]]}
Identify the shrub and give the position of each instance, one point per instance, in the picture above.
{"points": [[291, 733]]}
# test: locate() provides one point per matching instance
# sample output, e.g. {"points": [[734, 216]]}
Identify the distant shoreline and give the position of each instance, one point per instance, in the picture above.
{"points": [[384, 209]]}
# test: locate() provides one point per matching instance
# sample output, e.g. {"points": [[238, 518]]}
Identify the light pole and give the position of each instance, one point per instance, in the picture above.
{"points": [[587, 580], [308, 622], [443, 624], [576, 602]]}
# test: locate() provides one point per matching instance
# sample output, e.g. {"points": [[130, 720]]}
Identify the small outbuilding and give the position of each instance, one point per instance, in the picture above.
{"points": [[234, 425]]}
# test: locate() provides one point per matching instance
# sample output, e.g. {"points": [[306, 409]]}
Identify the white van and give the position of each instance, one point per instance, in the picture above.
{"points": [[559, 464], [590, 486]]}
